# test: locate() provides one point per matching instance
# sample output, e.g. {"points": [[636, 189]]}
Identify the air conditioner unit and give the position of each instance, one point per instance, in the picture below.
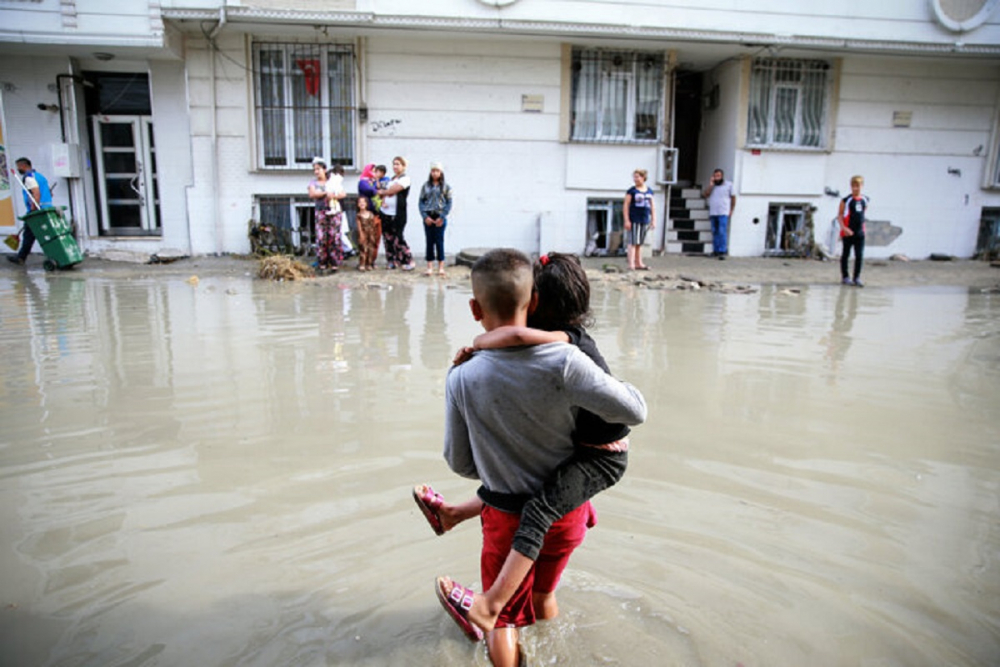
{"points": [[667, 172]]}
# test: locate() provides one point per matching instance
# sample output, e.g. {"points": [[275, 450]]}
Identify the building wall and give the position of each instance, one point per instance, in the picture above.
{"points": [[455, 101], [903, 21], [456, 97], [29, 132], [81, 19], [909, 172]]}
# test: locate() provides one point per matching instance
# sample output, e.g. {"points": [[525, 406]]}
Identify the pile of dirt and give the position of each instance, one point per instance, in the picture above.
{"points": [[283, 267]]}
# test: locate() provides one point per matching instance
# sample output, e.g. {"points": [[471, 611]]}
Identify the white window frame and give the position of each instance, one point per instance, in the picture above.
{"points": [[326, 145], [609, 210], [766, 84], [601, 87], [776, 215]]}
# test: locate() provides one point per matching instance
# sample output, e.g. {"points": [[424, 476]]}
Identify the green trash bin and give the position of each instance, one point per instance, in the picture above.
{"points": [[55, 235]]}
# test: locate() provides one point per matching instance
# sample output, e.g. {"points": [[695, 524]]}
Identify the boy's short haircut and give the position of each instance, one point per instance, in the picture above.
{"points": [[860, 180], [338, 169], [381, 168], [502, 281], [641, 172]]}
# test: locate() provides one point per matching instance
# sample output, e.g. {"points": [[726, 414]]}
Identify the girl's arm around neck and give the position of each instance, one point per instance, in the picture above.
{"points": [[514, 336]]}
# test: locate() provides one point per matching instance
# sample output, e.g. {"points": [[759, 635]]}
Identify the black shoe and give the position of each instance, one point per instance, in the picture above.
{"points": [[722, 256], [15, 259]]}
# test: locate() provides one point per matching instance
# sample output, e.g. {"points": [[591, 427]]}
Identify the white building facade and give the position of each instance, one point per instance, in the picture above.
{"points": [[171, 125]]}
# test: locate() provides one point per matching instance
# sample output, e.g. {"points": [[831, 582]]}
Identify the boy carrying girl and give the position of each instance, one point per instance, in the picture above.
{"points": [[509, 420]]}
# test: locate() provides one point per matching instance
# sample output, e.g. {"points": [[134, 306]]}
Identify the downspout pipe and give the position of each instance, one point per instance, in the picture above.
{"points": [[62, 132], [216, 180]]}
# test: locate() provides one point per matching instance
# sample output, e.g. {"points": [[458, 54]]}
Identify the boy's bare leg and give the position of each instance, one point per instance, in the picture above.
{"points": [[546, 607], [505, 651]]}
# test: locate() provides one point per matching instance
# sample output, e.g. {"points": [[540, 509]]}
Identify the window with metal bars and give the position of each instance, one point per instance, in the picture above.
{"points": [[789, 103], [304, 104], [617, 96], [293, 219]]}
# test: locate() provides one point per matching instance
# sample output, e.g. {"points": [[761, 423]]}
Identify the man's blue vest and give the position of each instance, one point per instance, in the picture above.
{"points": [[44, 192]]}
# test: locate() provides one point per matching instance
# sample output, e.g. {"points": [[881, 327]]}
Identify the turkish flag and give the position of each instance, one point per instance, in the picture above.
{"points": [[311, 70]]}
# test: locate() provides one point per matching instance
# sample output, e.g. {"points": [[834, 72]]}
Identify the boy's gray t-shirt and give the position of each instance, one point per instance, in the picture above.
{"points": [[510, 413]]}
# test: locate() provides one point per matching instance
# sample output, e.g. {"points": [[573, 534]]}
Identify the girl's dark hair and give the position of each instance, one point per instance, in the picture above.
{"points": [[430, 179], [563, 293]]}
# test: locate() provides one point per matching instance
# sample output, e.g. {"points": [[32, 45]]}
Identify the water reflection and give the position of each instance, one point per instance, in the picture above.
{"points": [[218, 474]]}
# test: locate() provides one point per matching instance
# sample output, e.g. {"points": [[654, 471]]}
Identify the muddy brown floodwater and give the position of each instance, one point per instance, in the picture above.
{"points": [[219, 474]]}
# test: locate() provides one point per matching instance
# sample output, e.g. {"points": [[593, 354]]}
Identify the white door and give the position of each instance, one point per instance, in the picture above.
{"points": [[126, 175]]}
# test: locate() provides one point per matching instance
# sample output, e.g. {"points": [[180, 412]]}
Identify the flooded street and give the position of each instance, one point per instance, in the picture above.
{"points": [[220, 473]]}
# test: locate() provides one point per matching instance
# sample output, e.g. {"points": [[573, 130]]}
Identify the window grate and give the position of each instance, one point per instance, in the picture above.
{"points": [[293, 218], [788, 102], [617, 96], [304, 104]]}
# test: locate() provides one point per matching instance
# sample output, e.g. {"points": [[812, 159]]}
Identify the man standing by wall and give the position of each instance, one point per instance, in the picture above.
{"points": [[721, 202], [37, 195]]}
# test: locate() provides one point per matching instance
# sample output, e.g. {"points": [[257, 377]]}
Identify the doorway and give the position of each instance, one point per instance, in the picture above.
{"points": [[687, 124], [123, 151]]}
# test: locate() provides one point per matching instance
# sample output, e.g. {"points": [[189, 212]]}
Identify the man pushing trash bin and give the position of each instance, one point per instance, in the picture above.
{"points": [[37, 195]]}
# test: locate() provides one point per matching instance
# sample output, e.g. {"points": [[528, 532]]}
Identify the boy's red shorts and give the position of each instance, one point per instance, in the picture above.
{"points": [[498, 535]]}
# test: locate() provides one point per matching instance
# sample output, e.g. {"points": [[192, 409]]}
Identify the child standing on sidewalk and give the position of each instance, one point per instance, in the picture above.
{"points": [[369, 236], [852, 215]]}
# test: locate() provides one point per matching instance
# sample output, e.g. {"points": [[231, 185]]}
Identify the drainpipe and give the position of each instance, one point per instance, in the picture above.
{"points": [[216, 184], [62, 131]]}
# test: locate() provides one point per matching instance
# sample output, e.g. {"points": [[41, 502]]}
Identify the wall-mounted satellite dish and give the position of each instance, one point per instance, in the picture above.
{"points": [[963, 15]]}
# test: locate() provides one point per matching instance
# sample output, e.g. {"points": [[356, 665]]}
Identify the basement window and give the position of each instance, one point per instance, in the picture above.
{"points": [[789, 230], [293, 221], [605, 225]]}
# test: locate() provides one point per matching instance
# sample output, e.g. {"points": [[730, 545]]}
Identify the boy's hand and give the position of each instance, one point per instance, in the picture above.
{"points": [[463, 355]]}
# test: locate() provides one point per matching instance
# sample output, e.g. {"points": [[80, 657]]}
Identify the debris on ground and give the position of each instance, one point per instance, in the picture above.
{"points": [[283, 267], [167, 256], [899, 257]]}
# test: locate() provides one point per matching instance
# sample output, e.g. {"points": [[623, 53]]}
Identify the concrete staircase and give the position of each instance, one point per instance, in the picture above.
{"points": [[690, 231]]}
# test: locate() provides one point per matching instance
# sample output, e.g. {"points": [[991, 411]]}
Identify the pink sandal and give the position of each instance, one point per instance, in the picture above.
{"points": [[429, 501], [457, 604]]}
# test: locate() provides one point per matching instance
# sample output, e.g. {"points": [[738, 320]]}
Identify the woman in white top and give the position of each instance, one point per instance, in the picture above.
{"points": [[393, 210]]}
